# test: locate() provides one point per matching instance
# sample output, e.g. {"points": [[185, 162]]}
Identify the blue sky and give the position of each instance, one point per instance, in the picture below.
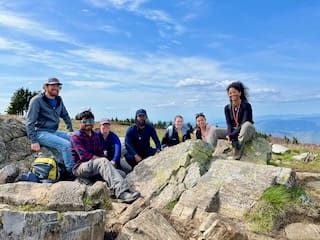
{"points": [[169, 57]]}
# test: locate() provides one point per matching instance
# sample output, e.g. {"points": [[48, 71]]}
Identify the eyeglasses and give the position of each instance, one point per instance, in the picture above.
{"points": [[200, 115], [87, 121]]}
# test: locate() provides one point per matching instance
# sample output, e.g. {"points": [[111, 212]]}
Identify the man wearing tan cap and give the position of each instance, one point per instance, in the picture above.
{"points": [[43, 117]]}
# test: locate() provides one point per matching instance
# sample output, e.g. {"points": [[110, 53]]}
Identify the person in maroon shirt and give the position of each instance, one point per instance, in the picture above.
{"points": [[89, 160]]}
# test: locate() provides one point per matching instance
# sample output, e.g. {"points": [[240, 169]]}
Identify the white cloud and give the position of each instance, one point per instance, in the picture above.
{"points": [[192, 82], [164, 21], [6, 44], [168, 104], [128, 4], [91, 84], [264, 90], [224, 83], [105, 57], [32, 28]]}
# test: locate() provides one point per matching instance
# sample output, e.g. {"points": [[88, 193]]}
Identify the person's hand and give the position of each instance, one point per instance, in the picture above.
{"points": [[35, 147], [137, 158], [228, 139], [113, 163]]}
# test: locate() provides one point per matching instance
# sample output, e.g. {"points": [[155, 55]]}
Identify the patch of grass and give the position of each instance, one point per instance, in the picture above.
{"points": [[271, 208], [60, 216], [31, 207], [170, 205], [93, 203], [286, 159]]}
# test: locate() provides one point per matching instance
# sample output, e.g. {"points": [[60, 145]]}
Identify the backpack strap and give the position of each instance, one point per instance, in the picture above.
{"points": [[170, 131]]}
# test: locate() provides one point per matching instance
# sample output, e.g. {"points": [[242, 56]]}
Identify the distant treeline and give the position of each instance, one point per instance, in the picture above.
{"points": [[285, 139], [159, 124]]}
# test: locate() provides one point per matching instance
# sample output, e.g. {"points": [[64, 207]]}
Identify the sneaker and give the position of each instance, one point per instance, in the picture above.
{"points": [[128, 197]]}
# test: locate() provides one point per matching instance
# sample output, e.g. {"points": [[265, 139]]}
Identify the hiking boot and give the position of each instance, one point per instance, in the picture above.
{"points": [[238, 152], [128, 197]]}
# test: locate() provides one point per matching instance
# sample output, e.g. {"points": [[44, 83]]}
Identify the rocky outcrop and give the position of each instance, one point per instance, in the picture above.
{"points": [[64, 210], [61, 196], [189, 191], [13, 141], [228, 188], [162, 178], [51, 224]]}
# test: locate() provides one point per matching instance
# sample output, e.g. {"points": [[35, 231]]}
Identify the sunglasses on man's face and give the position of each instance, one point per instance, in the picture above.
{"points": [[55, 86], [87, 121]]}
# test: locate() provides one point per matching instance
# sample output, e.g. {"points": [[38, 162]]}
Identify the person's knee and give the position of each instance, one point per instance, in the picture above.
{"points": [[247, 132]]}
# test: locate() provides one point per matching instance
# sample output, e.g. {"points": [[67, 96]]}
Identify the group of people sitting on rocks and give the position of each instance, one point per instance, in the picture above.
{"points": [[88, 153]]}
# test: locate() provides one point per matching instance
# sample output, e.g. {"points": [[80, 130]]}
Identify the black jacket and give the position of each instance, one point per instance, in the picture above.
{"points": [[171, 136]]}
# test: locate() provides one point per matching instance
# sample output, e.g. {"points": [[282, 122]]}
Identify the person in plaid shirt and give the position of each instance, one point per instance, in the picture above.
{"points": [[89, 160]]}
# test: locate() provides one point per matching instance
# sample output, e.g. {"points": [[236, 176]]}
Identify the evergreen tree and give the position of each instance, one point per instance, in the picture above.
{"points": [[295, 140], [20, 101]]}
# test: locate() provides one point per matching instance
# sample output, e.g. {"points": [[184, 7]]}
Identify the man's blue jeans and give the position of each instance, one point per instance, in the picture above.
{"points": [[60, 141]]}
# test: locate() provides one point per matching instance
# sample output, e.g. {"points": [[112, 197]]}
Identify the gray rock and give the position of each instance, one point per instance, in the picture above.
{"points": [[153, 174], [308, 176], [304, 157], [19, 148], [256, 151], [227, 188], [62, 196], [8, 174], [44, 225], [214, 227], [149, 225], [12, 127], [298, 231], [3, 152], [279, 149]]}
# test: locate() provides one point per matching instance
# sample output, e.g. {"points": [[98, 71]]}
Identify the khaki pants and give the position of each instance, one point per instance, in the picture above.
{"points": [[247, 132], [103, 168], [216, 133]]}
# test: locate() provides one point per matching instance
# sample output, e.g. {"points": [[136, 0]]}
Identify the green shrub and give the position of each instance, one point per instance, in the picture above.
{"points": [[270, 211]]}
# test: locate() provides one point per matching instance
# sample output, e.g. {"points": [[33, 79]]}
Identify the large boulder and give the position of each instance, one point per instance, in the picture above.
{"points": [[230, 188], [44, 225], [256, 151], [163, 177], [62, 196]]}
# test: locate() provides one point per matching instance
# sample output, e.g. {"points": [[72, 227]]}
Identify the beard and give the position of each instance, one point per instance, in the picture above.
{"points": [[141, 123]]}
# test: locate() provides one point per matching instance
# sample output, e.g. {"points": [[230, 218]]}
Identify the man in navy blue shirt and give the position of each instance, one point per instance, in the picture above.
{"points": [[137, 139]]}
